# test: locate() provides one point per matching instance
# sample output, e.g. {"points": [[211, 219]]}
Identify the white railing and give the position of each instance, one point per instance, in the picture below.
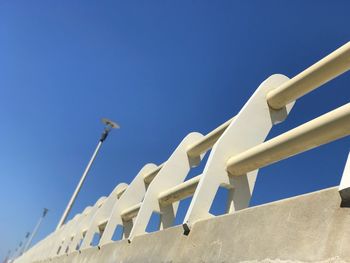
{"points": [[238, 150]]}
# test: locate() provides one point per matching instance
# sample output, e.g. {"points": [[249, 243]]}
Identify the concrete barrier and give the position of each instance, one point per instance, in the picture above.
{"points": [[307, 228]]}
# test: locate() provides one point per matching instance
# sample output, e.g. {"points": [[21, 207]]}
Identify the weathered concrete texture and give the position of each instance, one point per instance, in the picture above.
{"points": [[307, 228]]}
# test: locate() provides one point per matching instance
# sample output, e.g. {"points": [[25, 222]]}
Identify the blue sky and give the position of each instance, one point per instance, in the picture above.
{"points": [[161, 69]]}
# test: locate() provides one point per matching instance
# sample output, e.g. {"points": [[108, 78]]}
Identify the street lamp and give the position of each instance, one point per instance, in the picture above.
{"points": [[36, 228], [109, 125]]}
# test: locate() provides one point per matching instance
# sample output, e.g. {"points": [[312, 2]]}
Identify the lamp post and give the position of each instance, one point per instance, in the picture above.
{"points": [[36, 228], [109, 125], [26, 240], [6, 260]]}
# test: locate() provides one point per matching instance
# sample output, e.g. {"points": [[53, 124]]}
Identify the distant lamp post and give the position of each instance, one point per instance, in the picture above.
{"points": [[35, 230], [6, 260], [26, 239], [109, 125]]}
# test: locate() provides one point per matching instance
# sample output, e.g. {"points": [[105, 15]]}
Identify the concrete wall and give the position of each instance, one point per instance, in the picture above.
{"points": [[306, 228]]}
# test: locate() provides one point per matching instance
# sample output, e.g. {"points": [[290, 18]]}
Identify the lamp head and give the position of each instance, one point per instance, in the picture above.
{"points": [[110, 124]]}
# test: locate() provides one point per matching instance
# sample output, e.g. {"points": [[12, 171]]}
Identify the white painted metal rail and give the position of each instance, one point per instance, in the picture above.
{"points": [[326, 128], [313, 77], [238, 150]]}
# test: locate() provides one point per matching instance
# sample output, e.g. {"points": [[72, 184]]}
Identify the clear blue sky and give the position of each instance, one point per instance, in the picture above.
{"points": [[160, 68]]}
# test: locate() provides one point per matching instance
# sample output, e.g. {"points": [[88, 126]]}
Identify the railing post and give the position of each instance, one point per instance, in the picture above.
{"points": [[344, 187], [248, 129], [174, 172], [133, 195]]}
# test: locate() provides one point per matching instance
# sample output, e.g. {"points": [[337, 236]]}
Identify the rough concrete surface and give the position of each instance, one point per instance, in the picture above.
{"points": [[306, 228]]}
